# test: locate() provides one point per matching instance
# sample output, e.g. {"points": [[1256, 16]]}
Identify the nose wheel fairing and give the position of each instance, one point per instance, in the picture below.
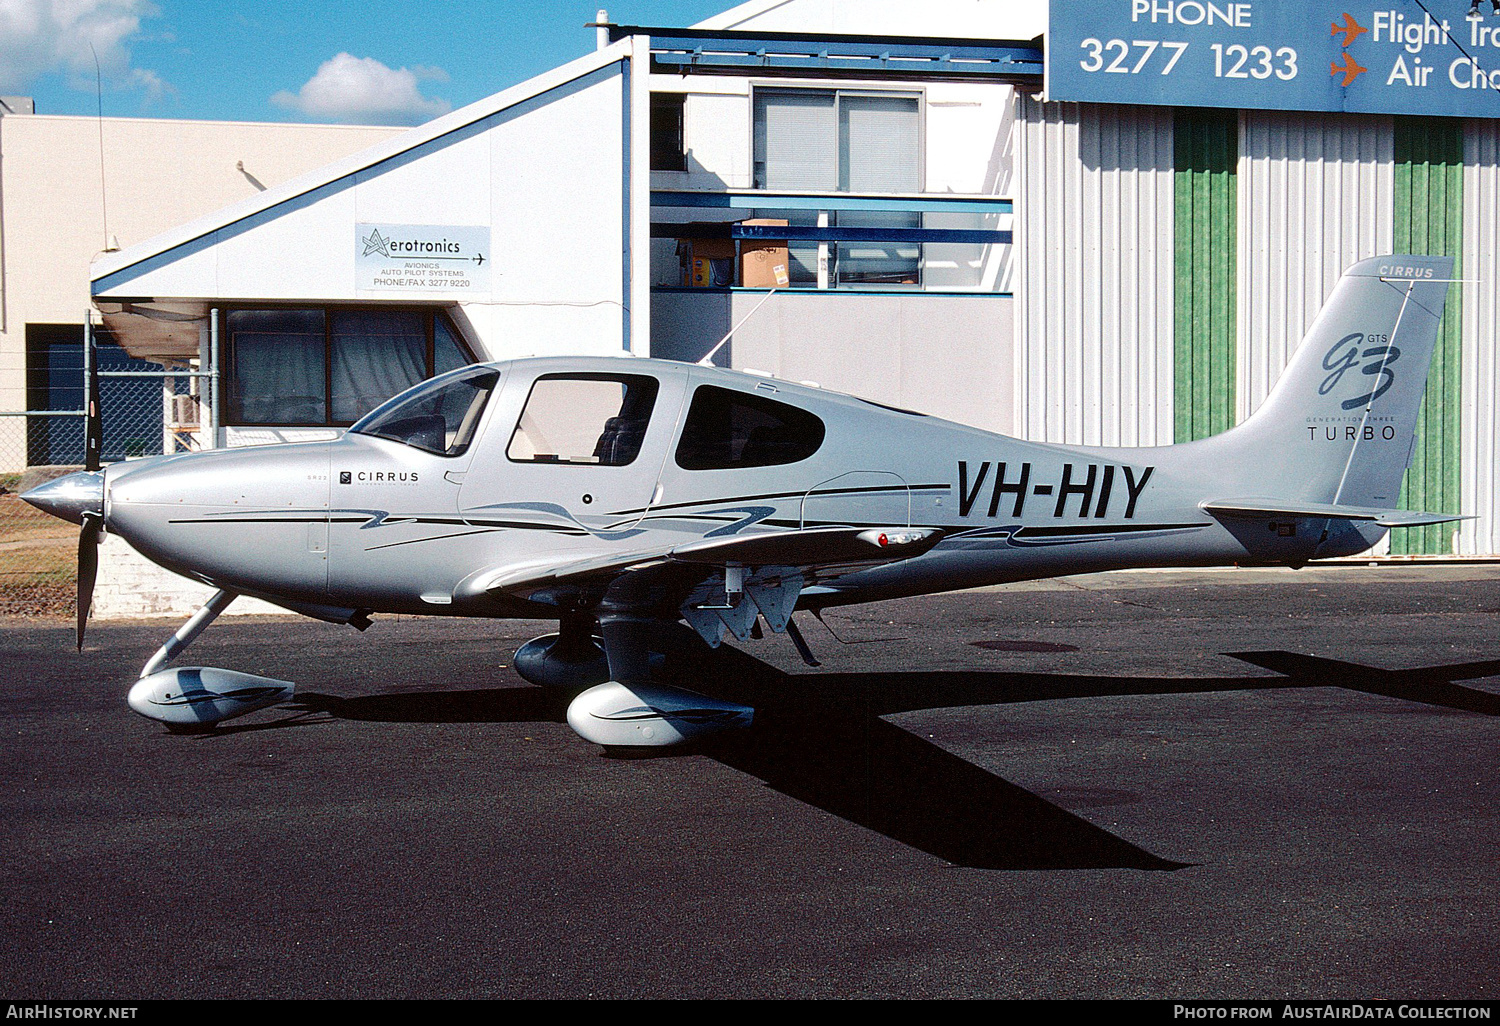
{"points": [[192, 698]]}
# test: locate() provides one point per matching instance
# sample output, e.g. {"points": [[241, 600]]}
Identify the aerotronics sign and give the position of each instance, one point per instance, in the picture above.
{"points": [[1360, 56], [446, 260]]}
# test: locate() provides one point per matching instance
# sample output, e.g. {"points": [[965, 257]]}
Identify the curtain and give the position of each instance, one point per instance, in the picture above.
{"points": [[375, 354], [277, 367]]}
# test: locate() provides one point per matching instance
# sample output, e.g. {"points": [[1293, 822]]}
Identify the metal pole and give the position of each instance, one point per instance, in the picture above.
{"points": [[206, 615], [708, 360], [93, 431], [213, 378], [168, 392]]}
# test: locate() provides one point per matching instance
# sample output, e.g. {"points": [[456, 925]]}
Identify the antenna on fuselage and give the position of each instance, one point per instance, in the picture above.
{"points": [[708, 361]]}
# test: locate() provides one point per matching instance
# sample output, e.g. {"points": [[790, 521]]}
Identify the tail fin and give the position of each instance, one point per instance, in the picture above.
{"points": [[1340, 424]]}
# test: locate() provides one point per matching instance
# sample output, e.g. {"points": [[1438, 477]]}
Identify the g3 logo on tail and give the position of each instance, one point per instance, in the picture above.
{"points": [[1346, 355]]}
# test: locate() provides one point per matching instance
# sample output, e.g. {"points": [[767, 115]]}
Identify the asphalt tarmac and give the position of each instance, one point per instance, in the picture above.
{"points": [[1240, 784]]}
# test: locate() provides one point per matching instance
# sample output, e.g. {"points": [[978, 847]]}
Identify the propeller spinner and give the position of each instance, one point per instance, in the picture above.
{"points": [[78, 498]]}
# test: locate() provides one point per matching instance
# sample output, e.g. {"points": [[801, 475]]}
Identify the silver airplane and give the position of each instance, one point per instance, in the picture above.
{"points": [[622, 496]]}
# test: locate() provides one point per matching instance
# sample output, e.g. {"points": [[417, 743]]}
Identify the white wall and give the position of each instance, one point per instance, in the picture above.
{"points": [[1480, 294], [944, 355]]}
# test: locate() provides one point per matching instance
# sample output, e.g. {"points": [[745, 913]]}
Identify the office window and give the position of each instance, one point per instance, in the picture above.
{"points": [[845, 141], [322, 367], [796, 140], [876, 262], [835, 140], [373, 354], [277, 367]]}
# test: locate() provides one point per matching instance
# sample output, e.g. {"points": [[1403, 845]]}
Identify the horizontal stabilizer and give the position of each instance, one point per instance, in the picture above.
{"points": [[810, 548], [1271, 509]]}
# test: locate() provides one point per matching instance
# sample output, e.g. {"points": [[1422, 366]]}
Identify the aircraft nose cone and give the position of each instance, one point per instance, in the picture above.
{"points": [[71, 496]]}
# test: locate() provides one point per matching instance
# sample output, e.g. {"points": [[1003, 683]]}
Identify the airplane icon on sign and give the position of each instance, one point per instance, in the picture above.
{"points": [[1351, 29], [1349, 69]]}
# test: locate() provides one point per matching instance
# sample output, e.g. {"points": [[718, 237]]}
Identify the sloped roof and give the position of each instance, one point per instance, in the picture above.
{"points": [[109, 264]]}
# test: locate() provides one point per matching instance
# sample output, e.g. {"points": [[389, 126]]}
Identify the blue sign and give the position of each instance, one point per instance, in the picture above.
{"points": [[1360, 56]]}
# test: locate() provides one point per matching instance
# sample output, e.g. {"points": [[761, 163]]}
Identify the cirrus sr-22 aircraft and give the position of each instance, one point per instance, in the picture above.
{"points": [[617, 495]]}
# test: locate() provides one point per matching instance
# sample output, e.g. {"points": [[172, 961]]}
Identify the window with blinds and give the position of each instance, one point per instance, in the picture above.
{"points": [[825, 140], [878, 144]]}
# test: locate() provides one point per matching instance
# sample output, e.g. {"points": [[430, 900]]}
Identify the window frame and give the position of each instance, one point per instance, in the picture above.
{"points": [[915, 92], [227, 378], [828, 253], [625, 378], [749, 399]]}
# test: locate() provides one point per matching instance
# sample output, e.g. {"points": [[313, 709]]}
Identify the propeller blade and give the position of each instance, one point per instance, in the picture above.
{"points": [[88, 569]]}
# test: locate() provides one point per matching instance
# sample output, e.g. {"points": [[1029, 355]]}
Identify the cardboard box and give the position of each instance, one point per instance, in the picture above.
{"points": [[707, 263], [763, 262]]}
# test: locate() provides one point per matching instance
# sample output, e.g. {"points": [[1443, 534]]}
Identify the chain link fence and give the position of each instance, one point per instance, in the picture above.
{"points": [[143, 410], [38, 553]]}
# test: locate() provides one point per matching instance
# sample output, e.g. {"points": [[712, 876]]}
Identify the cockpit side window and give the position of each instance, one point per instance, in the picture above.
{"points": [[726, 430], [584, 418], [438, 416]]}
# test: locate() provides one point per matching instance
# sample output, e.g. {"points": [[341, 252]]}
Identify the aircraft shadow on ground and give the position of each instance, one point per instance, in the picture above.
{"points": [[820, 738]]}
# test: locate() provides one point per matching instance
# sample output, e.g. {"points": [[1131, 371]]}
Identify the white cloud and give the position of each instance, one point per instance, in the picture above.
{"points": [[39, 37], [361, 90]]}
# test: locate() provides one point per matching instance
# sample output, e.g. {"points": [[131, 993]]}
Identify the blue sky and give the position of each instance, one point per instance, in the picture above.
{"points": [[360, 61]]}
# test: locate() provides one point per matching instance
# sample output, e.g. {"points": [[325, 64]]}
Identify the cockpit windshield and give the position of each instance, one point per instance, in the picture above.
{"points": [[438, 416]]}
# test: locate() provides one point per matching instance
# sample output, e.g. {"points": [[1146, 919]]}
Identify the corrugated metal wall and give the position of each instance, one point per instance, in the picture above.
{"points": [[1480, 486], [1206, 145], [1101, 239], [1429, 202], [1094, 289], [1315, 196]]}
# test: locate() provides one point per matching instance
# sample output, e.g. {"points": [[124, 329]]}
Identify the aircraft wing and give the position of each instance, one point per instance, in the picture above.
{"points": [[720, 582], [813, 549], [1262, 509]]}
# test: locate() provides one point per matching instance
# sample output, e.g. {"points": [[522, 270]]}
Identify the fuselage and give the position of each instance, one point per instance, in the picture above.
{"points": [[539, 463]]}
